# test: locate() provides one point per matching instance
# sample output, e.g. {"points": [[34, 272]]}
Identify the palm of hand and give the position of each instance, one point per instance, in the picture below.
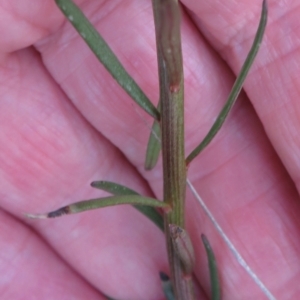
{"points": [[65, 123]]}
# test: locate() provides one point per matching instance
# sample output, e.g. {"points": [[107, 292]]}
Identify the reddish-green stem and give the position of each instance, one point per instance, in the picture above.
{"points": [[167, 26]]}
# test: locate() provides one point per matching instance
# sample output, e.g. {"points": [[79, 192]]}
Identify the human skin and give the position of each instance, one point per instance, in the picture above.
{"points": [[64, 122]]}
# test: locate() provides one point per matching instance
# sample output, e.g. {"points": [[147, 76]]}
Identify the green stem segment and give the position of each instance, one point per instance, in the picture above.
{"points": [[168, 41]]}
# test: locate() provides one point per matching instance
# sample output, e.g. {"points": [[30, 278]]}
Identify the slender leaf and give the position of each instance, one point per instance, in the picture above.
{"points": [[120, 190], [154, 146], [113, 188], [167, 286], [236, 87], [101, 202], [213, 270], [105, 55]]}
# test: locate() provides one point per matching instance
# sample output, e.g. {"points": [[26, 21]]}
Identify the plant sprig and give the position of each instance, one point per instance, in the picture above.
{"points": [[167, 132]]}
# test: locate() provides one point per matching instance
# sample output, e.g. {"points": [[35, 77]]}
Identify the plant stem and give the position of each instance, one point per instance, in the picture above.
{"points": [[168, 41]]}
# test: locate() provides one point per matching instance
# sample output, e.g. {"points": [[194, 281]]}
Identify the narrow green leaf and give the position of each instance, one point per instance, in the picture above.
{"points": [[154, 146], [166, 286], [113, 188], [105, 55], [120, 190], [213, 270], [99, 203], [236, 87]]}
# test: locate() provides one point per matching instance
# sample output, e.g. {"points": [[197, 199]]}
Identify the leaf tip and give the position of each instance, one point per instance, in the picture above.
{"points": [[94, 184], [35, 216], [163, 277]]}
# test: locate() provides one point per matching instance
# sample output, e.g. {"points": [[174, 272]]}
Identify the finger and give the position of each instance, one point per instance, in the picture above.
{"points": [[49, 155], [22, 23], [29, 268]]}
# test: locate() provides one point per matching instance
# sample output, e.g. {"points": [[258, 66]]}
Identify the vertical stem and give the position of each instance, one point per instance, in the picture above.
{"points": [[168, 41]]}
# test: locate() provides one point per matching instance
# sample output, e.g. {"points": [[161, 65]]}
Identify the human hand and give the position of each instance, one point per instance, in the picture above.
{"points": [[65, 122]]}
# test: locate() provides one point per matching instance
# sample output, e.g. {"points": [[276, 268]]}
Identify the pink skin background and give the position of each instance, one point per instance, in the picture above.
{"points": [[64, 122]]}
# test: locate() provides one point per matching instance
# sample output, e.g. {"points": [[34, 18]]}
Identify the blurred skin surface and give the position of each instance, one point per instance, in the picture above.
{"points": [[65, 122]]}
